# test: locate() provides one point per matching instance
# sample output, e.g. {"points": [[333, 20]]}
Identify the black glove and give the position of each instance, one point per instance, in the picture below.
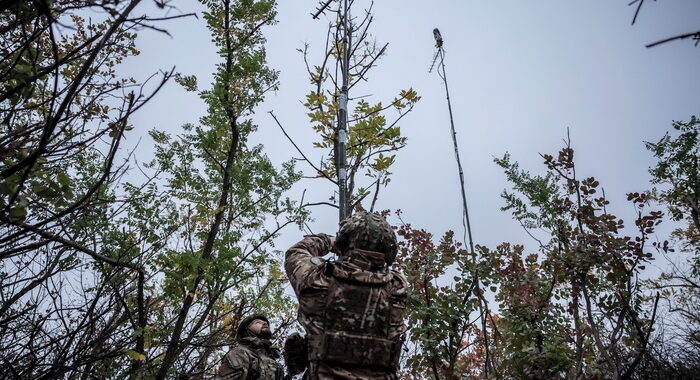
{"points": [[296, 354]]}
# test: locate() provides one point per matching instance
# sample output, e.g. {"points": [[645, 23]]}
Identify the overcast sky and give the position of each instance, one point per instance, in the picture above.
{"points": [[520, 74]]}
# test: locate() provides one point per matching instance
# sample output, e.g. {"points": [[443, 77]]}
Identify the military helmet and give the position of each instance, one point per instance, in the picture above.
{"points": [[368, 231], [242, 330]]}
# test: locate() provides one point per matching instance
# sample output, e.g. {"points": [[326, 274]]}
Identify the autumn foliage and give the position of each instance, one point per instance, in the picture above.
{"points": [[573, 308]]}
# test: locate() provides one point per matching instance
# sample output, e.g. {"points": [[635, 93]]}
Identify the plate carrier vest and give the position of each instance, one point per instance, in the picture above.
{"points": [[359, 312]]}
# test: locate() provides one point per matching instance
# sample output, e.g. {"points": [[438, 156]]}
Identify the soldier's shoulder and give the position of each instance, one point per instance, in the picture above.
{"points": [[398, 274], [399, 279], [239, 355], [309, 269]]}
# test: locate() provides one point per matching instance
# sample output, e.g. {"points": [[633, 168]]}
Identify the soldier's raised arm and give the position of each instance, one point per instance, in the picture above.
{"points": [[299, 260]]}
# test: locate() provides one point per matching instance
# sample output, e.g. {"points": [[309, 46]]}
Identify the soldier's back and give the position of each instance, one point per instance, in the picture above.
{"points": [[359, 330]]}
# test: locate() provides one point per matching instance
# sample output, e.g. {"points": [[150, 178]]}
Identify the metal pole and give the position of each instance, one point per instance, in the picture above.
{"points": [[343, 119], [441, 52]]}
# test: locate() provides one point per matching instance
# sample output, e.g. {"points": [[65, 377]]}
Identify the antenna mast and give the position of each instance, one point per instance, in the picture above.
{"points": [[441, 54], [465, 217], [342, 135]]}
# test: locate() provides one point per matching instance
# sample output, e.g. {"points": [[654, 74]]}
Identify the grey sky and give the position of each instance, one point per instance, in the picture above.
{"points": [[520, 73]]}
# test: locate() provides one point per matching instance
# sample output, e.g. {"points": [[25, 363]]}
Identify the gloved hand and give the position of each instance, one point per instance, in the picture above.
{"points": [[296, 354]]}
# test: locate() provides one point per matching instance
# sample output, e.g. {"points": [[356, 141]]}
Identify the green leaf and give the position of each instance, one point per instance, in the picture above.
{"points": [[63, 179], [135, 355], [18, 213]]}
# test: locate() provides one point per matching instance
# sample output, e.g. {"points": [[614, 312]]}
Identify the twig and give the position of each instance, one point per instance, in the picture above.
{"points": [[695, 35], [319, 171], [68, 243], [376, 194], [322, 9], [320, 204], [636, 13]]}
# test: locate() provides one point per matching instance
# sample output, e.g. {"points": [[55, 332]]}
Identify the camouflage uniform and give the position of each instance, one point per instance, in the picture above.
{"points": [[353, 310], [252, 358]]}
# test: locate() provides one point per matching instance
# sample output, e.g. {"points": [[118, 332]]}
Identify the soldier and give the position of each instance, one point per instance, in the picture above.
{"points": [[353, 309], [253, 357]]}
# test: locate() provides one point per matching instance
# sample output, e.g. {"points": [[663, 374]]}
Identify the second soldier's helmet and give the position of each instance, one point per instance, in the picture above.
{"points": [[242, 330], [367, 231]]}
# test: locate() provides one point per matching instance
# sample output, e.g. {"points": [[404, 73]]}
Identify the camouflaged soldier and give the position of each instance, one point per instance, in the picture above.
{"points": [[253, 357], [353, 309]]}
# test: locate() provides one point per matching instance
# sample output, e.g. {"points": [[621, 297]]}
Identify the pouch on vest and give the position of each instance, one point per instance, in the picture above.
{"points": [[356, 324]]}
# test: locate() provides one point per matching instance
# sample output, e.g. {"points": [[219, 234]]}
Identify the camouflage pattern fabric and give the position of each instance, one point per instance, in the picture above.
{"points": [[352, 311], [252, 359]]}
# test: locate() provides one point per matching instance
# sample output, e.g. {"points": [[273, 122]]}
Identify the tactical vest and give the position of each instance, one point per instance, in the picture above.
{"points": [[360, 309], [250, 361], [266, 368]]}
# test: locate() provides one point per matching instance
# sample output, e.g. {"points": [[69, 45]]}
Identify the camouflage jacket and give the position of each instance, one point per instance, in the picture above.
{"points": [[251, 359], [327, 323]]}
